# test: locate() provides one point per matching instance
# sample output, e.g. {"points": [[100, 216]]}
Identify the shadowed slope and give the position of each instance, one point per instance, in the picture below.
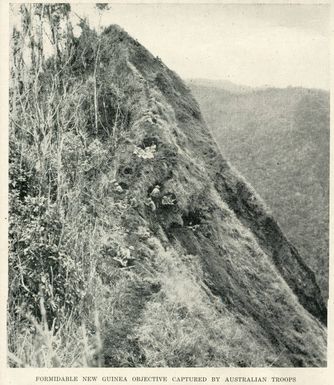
{"points": [[213, 214], [279, 139]]}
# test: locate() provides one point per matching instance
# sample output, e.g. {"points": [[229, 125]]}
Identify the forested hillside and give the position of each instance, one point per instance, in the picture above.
{"points": [[279, 139], [133, 243]]}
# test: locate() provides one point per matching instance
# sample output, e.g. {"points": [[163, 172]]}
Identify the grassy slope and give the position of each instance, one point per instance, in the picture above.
{"points": [[189, 166], [190, 277], [279, 139]]}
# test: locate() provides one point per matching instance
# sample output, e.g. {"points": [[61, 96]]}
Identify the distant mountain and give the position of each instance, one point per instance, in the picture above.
{"points": [[279, 139], [220, 84]]}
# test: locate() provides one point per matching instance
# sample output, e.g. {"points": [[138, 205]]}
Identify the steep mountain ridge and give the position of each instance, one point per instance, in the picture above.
{"points": [[135, 230], [204, 209]]}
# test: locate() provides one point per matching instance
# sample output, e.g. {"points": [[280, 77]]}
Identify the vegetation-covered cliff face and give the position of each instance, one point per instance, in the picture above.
{"points": [[133, 242], [279, 139]]}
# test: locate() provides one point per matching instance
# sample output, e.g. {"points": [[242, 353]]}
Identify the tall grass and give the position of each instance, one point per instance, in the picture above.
{"points": [[57, 157]]}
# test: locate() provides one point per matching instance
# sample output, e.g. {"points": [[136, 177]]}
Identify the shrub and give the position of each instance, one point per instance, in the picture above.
{"points": [[37, 264]]}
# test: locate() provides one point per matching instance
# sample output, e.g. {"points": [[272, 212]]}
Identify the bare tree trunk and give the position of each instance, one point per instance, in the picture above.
{"points": [[95, 88]]}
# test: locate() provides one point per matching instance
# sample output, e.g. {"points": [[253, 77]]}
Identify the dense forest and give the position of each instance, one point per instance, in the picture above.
{"points": [[279, 139], [132, 242]]}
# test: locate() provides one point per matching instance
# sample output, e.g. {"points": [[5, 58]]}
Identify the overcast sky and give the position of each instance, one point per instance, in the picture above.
{"points": [[256, 45]]}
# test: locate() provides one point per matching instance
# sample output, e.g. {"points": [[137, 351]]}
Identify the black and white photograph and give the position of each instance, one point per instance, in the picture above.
{"points": [[168, 185]]}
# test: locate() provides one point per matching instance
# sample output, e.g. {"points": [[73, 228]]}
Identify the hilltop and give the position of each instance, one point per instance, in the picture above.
{"points": [[171, 258]]}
